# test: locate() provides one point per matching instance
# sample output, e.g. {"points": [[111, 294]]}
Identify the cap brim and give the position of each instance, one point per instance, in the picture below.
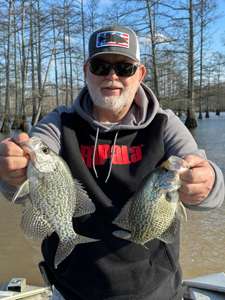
{"points": [[113, 53]]}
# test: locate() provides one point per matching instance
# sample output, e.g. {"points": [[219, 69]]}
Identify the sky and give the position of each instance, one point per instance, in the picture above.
{"points": [[217, 28]]}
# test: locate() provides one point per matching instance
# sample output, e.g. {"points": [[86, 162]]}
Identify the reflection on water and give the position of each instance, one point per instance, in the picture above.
{"points": [[202, 237]]}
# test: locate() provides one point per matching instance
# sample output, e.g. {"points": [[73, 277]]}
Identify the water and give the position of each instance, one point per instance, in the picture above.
{"points": [[202, 237]]}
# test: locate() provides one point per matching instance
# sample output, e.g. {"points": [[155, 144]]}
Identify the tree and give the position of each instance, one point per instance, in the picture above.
{"points": [[16, 121], [190, 120], [5, 125]]}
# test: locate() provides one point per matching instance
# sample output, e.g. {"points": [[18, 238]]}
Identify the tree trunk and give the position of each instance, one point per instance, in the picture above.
{"points": [[24, 125], [83, 34], [16, 122], [5, 125], [191, 121], [201, 65], [56, 70], [34, 92], [71, 64], [155, 66], [65, 58], [41, 97], [39, 115]]}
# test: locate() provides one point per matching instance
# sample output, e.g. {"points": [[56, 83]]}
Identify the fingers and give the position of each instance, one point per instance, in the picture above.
{"points": [[22, 137], [13, 160], [196, 182], [10, 146]]}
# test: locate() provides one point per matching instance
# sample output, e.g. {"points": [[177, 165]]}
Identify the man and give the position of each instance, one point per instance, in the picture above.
{"points": [[114, 135]]}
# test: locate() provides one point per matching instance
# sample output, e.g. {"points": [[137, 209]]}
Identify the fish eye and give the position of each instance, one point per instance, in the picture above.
{"points": [[165, 169], [46, 150]]}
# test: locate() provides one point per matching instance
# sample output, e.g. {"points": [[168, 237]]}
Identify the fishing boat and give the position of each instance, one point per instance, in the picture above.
{"points": [[17, 288], [209, 287]]}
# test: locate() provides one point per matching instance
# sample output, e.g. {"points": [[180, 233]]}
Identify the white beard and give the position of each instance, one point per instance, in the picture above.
{"points": [[111, 102]]}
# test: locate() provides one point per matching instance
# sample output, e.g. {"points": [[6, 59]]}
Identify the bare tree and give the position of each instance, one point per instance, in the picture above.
{"points": [[5, 125], [24, 124], [16, 121], [190, 120]]}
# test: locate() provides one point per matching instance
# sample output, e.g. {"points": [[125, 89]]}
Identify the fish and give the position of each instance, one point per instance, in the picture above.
{"points": [[52, 199], [151, 212]]}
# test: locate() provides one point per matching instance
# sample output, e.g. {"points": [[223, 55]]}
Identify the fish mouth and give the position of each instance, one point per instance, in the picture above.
{"points": [[179, 164], [29, 147]]}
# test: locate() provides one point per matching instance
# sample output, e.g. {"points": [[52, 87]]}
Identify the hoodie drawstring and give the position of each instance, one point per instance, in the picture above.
{"points": [[93, 157], [111, 158]]}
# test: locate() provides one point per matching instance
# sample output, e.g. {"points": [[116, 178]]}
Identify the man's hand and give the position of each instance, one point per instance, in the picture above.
{"points": [[13, 160], [196, 182]]}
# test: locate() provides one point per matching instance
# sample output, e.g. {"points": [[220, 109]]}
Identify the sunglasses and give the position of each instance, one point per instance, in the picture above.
{"points": [[102, 68]]}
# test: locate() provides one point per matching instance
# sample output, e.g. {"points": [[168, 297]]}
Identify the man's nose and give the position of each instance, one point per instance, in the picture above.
{"points": [[112, 75]]}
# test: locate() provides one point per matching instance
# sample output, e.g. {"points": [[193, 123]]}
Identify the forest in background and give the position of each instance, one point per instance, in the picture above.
{"points": [[43, 46]]}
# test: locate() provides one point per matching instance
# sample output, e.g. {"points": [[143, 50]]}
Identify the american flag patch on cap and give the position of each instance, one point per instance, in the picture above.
{"points": [[112, 38]]}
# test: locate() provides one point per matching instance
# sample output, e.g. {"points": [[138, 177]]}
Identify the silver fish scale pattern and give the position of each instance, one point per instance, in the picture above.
{"points": [[158, 213], [151, 213], [54, 195], [52, 199]]}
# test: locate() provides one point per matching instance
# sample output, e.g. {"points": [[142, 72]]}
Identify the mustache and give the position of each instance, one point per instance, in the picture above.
{"points": [[106, 84]]}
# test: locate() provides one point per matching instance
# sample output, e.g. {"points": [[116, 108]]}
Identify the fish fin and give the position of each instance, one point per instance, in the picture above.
{"points": [[32, 223], [122, 234], [169, 235], [145, 246], [125, 235], [23, 190], [84, 205], [65, 248], [181, 211], [122, 219]]}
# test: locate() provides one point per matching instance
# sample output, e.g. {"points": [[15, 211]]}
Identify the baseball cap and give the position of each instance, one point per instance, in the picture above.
{"points": [[114, 39]]}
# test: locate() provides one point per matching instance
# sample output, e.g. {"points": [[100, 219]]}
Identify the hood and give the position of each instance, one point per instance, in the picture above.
{"points": [[141, 113]]}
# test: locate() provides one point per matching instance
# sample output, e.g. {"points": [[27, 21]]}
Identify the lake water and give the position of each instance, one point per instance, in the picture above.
{"points": [[202, 237]]}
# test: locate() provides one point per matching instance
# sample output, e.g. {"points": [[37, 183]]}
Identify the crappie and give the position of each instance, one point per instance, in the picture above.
{"points": [[151, 212], [53, 199]]}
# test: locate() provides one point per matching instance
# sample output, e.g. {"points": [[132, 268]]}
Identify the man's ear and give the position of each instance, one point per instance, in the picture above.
{"points": [[85, 69], [142, 72]]}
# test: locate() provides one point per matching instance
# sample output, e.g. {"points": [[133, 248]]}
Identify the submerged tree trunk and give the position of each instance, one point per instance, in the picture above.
{"points": [[24, 124], [190, 120], [5, 125], [207, 113]]}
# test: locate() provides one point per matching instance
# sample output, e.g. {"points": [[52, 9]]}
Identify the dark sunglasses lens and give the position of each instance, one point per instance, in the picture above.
{"points": [[125, 69], [99, 68], [122, 69]]}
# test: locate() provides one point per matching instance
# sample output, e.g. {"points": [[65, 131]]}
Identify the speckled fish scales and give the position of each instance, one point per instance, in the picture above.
{"points": [[52, 199], [151, 213]]}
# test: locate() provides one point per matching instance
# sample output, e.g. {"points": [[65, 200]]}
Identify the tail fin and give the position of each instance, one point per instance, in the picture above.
{"points": [[65, 248]]}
